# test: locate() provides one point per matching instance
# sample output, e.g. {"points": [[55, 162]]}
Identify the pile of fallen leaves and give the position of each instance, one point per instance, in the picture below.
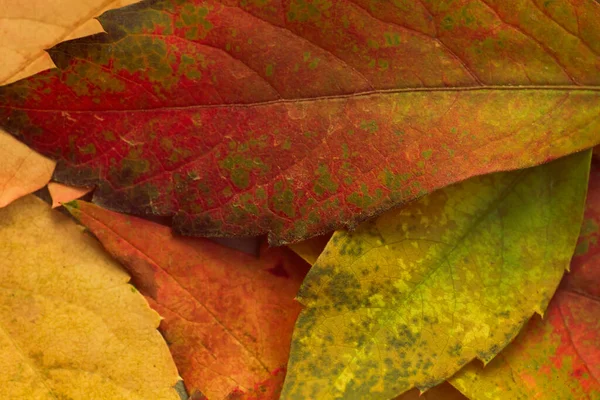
{"points": [[420, 174]]}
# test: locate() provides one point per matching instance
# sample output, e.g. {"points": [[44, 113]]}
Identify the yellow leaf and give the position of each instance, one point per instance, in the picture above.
{"points": [[22, 170], [409, 298], [71, 327]]}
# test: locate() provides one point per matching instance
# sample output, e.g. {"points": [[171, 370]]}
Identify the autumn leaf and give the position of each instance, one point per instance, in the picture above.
{"points": [[409, 298], [22, 170], [312, 248], [295, 118], [63, 193], [71, 326], [228, 316], [29, 28], [557, 357], [26, 30]]}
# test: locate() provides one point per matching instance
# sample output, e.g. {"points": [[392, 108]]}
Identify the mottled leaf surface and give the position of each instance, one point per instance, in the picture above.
{"points": [[71, 327], [409, 298], [557, 357], [228, 316], [310, 250], [294, 118], [27, 29]]}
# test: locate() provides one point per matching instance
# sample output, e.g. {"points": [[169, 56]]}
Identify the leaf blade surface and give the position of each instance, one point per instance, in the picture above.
{"points": [[409, 298], [60, 336], [342, 110], [557, 357], [228, 316]]}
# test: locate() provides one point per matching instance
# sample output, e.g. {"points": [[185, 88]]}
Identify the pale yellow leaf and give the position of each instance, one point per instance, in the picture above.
{"points": [[22, 170], [71, 327]]}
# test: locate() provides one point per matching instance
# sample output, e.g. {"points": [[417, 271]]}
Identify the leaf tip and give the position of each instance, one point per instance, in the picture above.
{"points": [[73, 208], [71, 205]]}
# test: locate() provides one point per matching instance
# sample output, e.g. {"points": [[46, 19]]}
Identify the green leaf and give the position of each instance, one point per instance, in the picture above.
{"points": [[409, 298], [557, 357]]}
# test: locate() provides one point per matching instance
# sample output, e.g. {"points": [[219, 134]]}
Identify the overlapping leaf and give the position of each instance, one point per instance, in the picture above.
{"points": [[294, 118], [312, 248], [26, 30], [22, 170], [409, 298], [29, 28], [63, 193], [228, 317], [70, 325], [557, 357]]}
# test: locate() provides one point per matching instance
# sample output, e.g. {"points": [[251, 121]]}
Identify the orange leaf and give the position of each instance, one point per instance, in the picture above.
{"points": [[228, 316]]}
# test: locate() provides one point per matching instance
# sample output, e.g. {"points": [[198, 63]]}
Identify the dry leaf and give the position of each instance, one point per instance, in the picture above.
{"points": [[61, 336], [64, 193], [28, 28], [228, 316], [22, 170]]}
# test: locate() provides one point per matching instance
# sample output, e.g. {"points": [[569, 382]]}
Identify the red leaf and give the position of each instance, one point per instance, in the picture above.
{"points": [[228, 316], [294, 118]]}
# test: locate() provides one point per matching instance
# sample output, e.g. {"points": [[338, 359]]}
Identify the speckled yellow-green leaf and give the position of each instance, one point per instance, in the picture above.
{"points": [[409, 298], [71, 327], [557, 357]]}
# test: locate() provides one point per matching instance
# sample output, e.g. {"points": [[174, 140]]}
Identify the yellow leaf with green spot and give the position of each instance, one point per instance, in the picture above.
{"points": [[409, 298], [557, 357]]}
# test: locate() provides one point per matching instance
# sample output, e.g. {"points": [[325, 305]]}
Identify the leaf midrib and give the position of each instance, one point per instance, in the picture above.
{"points": [[372, 93]]}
